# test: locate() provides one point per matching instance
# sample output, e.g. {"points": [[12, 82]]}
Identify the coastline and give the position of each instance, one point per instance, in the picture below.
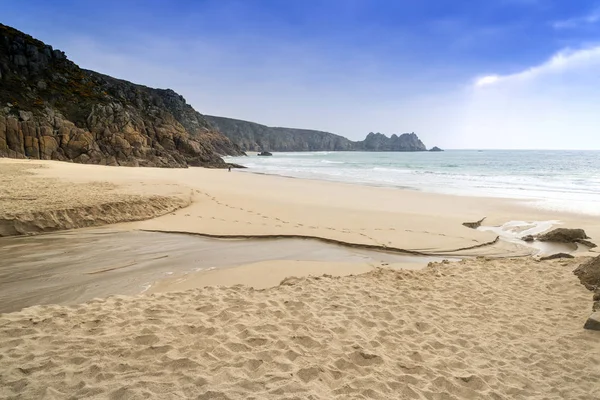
{"points": [[222, 204], [565, 186]]}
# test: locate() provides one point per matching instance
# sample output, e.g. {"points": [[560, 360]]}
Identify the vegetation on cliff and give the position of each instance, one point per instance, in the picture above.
{"points": [[52, 109], [251, 136]]}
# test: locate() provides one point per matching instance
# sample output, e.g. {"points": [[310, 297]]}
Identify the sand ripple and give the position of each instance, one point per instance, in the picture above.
{"points": [[476, 329]]}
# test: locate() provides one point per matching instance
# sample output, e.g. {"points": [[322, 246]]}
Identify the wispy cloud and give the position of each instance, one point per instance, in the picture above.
{"points": [[577, 22], [563, 60]]}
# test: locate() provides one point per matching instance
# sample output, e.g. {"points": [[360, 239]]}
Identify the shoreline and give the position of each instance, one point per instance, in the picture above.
{"points": [[244, 221], [536, 201]]}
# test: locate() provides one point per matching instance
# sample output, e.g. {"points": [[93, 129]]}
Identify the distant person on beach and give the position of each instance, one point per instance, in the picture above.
{"points": [[229, 168]]}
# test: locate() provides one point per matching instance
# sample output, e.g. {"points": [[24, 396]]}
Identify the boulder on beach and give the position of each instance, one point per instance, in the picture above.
{"points": [[589, 274], [528, 238], [593, 322], [563, 235]]}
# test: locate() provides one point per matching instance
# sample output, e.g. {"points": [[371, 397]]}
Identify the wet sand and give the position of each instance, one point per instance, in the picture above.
{"points": [[76, 266]]}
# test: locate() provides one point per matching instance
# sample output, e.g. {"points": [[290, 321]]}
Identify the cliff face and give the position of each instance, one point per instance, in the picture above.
{"points": [[53, 110], [251, 136]]}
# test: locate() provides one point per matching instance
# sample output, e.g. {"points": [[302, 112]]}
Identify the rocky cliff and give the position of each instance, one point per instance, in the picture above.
{"points": [[53, 110], [251, 136]]}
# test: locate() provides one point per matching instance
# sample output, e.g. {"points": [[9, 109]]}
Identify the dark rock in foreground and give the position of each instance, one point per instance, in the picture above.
{"points": [[528, 238], [563, 235], [593, 322], [555, 256], [589, 273], [435, 148], [51, 109], [589, 276]]}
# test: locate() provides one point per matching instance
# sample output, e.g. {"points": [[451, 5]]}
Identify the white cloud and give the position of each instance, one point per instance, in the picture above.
{"points": [[551, 105], [486, 80], [562, 61], [577, 22]]}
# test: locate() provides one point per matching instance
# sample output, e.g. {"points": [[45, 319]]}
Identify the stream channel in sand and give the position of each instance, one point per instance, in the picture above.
{"points": [[72, 267], [75, 266]]}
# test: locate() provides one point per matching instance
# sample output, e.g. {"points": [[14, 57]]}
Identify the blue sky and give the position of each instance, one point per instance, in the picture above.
{"points": [[460, 74]]}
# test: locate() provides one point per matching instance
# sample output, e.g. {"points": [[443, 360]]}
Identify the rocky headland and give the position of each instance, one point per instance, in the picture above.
{"points": [[51, 109], [250, 136]]}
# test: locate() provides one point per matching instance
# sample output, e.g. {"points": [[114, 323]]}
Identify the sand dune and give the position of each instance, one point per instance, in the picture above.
{"points": [[500, 329]]}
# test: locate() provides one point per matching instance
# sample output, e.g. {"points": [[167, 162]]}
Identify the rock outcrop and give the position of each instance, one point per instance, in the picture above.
{"points": [[593, 322], [435, 148], [380, 142], [589, 276], [563, 235], [51, 109], [250, 136], [589, 273]]}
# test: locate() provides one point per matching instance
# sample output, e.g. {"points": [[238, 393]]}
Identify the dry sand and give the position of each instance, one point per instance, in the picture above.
{"points": [[480, 328], [501, 329], [31, 203]]}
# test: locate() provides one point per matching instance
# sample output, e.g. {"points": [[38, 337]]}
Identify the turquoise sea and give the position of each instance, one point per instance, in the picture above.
{"points": [[556, 180]]}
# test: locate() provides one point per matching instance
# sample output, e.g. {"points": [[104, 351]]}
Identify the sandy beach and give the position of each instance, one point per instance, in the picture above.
{"points": [[266, 323]]}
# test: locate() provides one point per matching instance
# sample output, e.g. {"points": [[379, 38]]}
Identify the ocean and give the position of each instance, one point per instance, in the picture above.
{"points": [[554, 180]]}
